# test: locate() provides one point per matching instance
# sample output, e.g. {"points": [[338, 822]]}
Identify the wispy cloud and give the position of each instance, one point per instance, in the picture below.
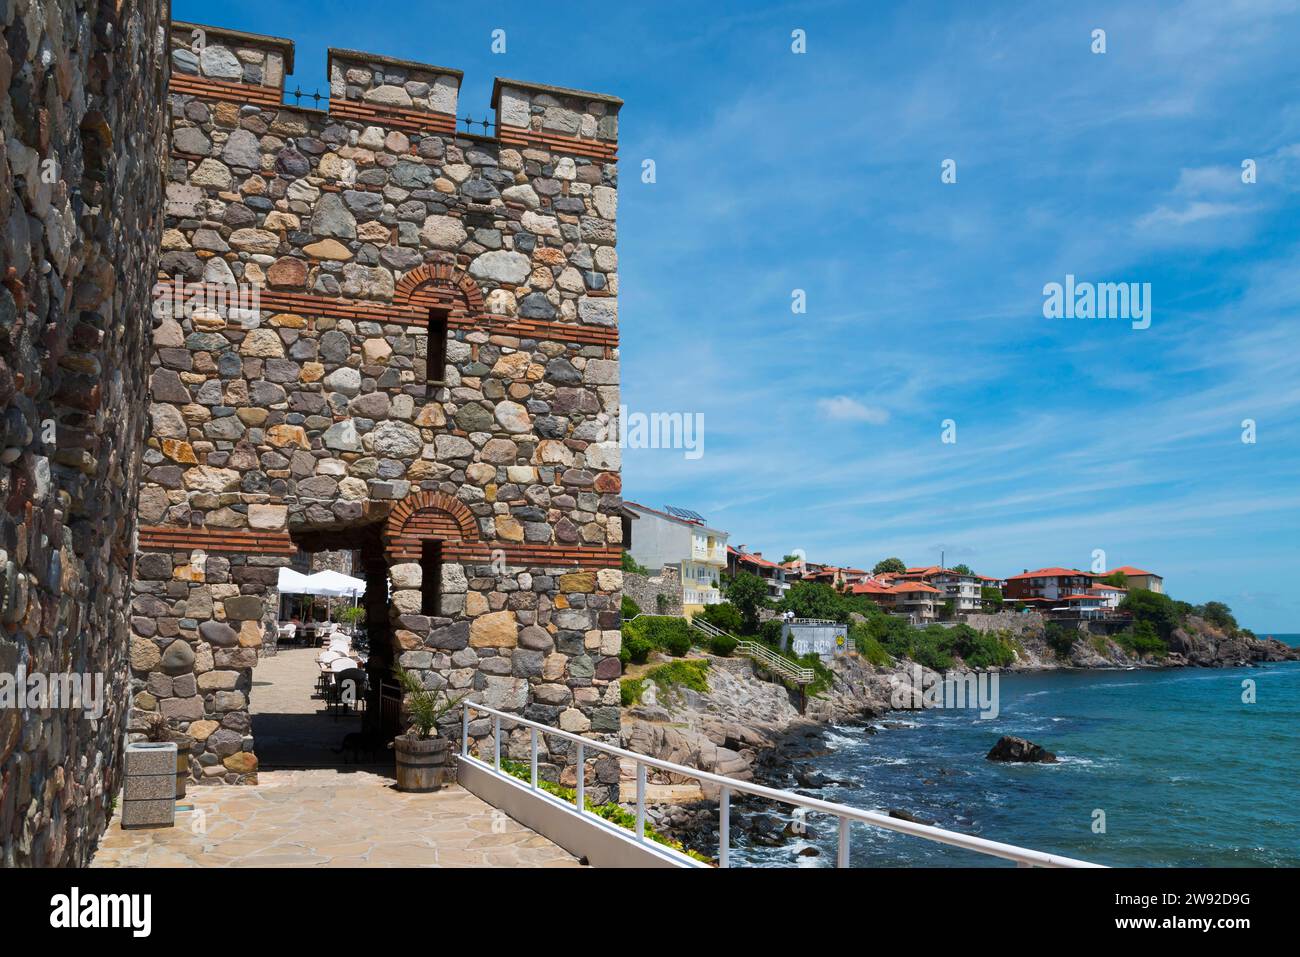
{"points": [[842, 408]]}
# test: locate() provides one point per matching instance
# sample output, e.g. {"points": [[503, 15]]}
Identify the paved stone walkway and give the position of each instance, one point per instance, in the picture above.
{"points": [[330, 818], [291, 728]]}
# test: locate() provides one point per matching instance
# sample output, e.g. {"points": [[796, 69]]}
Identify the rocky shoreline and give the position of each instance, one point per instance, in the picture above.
{"points": [[750, 728]]}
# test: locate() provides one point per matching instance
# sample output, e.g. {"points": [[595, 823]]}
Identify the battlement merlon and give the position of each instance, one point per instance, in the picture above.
{"points": [[555, 110], [230, 56], [362, 84], [387, 82]]}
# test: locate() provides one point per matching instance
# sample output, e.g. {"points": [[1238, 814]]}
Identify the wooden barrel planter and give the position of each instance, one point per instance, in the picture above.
{"points": [[184, 747], [421, 763]]}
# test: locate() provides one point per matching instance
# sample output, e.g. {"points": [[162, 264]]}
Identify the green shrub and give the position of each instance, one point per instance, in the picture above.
{"points": [[629, 608], [630, 690], [1060, 638], [1142, 639], [930, 648], [1161, 612], [1217, 613], [651, 632], [638, 647], [770, 632], [869, 646], [722, 645], [724, 616], [980, 650]]}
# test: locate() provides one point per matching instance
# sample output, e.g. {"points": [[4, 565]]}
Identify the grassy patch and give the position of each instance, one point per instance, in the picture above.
{"points": [[687, 673], [611, 812]]}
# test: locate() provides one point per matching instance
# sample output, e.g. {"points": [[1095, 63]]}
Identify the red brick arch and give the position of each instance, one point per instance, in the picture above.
{"points": [[440, 285], [428, 515]]}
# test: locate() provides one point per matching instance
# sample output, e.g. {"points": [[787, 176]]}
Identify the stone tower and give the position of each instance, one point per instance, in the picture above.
{"points": [[379, 333]]}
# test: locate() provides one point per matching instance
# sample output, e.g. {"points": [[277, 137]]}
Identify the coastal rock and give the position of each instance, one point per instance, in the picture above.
{"points": [[1011, 748]]}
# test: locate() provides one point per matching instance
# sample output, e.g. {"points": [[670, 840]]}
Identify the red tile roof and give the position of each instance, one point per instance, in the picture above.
{"points": [[1049, 573], [869, 588], [913, 586], [752, 559], [1128, 570]]}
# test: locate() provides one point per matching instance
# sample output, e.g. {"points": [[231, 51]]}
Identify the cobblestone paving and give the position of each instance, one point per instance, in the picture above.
{"points": [[329, 818]]}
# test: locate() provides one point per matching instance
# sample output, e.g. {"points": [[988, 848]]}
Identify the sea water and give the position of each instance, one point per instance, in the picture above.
{"points": [[1160, 768]]}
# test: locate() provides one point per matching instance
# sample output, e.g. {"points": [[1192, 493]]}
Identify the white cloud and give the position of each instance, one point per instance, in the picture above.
{"points": [[1194, 212], [843, 409]]}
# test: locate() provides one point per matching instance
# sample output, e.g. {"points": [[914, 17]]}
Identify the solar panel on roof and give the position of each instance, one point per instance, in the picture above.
{"points": [[684, 513]]}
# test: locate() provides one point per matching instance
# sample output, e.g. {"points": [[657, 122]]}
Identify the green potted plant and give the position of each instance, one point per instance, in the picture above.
{"points": [[352, 617], [420, 753]]}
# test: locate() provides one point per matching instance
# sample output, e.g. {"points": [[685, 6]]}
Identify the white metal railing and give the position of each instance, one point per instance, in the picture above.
{"points": [[844, 814], [777, 663], [774, 662], [699, 624]]}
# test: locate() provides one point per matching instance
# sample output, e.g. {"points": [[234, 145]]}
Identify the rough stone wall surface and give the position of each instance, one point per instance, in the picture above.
{"points": [[311, 413], [1015, 623], [656, 594], [80, 206]]}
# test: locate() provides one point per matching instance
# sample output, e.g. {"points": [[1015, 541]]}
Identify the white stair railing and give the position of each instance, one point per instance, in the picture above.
{"points": [[775, 663], [769, 659]]}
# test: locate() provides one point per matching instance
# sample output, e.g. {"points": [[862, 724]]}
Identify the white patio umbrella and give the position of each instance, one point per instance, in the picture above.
{"points": [[335, 585]]}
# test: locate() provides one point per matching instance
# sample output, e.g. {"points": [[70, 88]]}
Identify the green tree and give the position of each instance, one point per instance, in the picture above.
{"points": [[1117, 579], [991, 596], [724, 616], [1160, 611], [789, 558], [814, 600], [748, 593], [894, 565], [1217, 613], [962, 569]]}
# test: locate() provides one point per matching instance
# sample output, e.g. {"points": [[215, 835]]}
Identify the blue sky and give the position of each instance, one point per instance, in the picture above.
{"points": [[821, 172]]}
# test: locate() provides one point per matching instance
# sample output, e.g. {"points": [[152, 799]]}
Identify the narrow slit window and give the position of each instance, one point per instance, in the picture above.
{"points": [[436, 363], [430, 578]]}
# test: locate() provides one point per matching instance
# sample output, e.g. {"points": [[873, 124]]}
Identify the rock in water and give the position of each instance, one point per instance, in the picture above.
{"points": [[1011, 748], [908, 816]]}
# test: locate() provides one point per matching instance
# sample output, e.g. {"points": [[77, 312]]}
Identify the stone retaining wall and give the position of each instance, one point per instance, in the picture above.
{"points": [[656, 594], [1016, 623], [81, 90]]}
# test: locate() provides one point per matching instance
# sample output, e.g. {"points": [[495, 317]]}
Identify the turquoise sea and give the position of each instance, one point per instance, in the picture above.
{"points": [[1187, 775]]}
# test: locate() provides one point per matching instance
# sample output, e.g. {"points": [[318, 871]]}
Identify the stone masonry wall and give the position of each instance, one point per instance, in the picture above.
{"points": [[81, 91], [656, 594], [310, 414], [1013, 622]]}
